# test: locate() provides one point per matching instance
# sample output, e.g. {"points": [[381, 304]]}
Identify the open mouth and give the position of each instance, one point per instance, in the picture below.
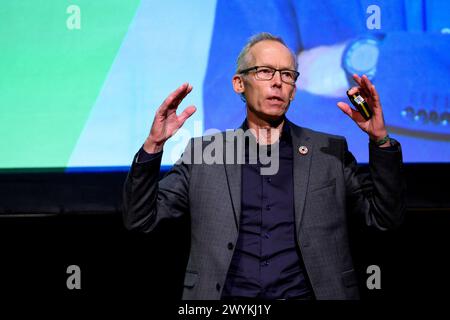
{"points": [[275, 98]]}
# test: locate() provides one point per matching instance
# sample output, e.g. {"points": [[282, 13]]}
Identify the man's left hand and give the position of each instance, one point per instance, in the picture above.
{"points": [[375, 126]]}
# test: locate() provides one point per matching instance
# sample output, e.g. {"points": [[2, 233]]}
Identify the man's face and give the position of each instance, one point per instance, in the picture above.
{"points": [[268, 99]]}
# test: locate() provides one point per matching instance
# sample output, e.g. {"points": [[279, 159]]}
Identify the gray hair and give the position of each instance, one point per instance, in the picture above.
{"points": [[243, 58]]}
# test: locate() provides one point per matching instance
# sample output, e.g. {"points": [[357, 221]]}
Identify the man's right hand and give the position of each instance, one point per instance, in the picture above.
{"points": [[166, 122]]}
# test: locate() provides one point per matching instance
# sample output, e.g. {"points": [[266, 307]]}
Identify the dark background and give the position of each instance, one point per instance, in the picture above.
{"points": [[51, 220]]}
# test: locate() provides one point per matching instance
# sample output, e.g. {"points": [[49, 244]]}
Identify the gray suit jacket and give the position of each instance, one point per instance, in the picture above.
{"points": [[329, 189]]}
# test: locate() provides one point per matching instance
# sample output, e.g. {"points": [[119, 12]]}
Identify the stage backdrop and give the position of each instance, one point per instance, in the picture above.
{"points": [[80, 80]]}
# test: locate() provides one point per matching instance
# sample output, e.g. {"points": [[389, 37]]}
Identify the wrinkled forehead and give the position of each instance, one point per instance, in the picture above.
{"points": [[271, 53]]}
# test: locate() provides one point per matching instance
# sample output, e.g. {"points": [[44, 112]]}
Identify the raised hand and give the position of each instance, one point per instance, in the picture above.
{"points": [[166, 122], [375, 126]]}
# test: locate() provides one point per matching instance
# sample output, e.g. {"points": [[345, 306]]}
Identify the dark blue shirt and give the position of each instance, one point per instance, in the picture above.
{"points": [[267, 263]]}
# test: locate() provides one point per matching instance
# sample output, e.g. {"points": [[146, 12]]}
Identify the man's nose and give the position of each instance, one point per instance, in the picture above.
{"points": [[276, 80]]}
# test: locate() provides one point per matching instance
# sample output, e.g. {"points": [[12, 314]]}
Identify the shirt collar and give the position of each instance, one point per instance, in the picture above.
{"points": [[285, 132]]}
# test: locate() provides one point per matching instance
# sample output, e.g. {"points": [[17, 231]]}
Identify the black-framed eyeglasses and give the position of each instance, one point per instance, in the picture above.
{"points": [[265, 73]]}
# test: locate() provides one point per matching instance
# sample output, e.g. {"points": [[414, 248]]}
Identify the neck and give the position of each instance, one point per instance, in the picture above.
{"points": [[265, 132]]}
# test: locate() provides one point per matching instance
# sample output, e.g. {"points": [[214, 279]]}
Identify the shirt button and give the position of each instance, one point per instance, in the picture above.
{"points": [[266, 235], [269, 180], [218, 286], [230, 246], [265, 263], [268, 208]]}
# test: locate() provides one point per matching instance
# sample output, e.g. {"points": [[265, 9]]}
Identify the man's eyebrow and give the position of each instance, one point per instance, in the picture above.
{"points": [[272, 66]]}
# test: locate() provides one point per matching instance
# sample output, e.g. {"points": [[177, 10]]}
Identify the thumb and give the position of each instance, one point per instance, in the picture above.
{"points": [[189, 111], [345, 108]]}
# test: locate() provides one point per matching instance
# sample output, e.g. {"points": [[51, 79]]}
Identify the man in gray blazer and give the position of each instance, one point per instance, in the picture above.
{"points": [[279, 234]]}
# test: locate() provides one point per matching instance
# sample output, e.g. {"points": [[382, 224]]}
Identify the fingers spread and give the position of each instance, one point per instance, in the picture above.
{"points": [[364, 83], [367, 84], [363, 88], [175, 98], [375, 96], [185, 93], [177, 93], [357, 79]]}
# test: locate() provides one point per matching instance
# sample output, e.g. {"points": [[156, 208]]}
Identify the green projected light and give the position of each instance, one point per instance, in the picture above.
{"points": [[54, 58]]}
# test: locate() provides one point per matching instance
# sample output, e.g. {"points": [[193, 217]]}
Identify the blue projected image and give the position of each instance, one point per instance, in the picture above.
{"points": [[402, 46]]}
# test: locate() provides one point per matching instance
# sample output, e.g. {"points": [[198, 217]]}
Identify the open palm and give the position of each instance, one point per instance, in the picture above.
{"points": [[166, 122]]}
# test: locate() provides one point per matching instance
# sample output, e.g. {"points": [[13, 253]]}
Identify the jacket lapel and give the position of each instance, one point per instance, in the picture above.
{"points": [[301, 168], [233, 170]]}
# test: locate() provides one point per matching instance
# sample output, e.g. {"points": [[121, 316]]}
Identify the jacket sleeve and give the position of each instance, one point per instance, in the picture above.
{"points": [[377, 196], [146, 201]]}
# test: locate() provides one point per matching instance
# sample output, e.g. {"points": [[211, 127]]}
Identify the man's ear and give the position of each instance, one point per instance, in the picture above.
{"points": [[238, 84], [293, 93]]}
